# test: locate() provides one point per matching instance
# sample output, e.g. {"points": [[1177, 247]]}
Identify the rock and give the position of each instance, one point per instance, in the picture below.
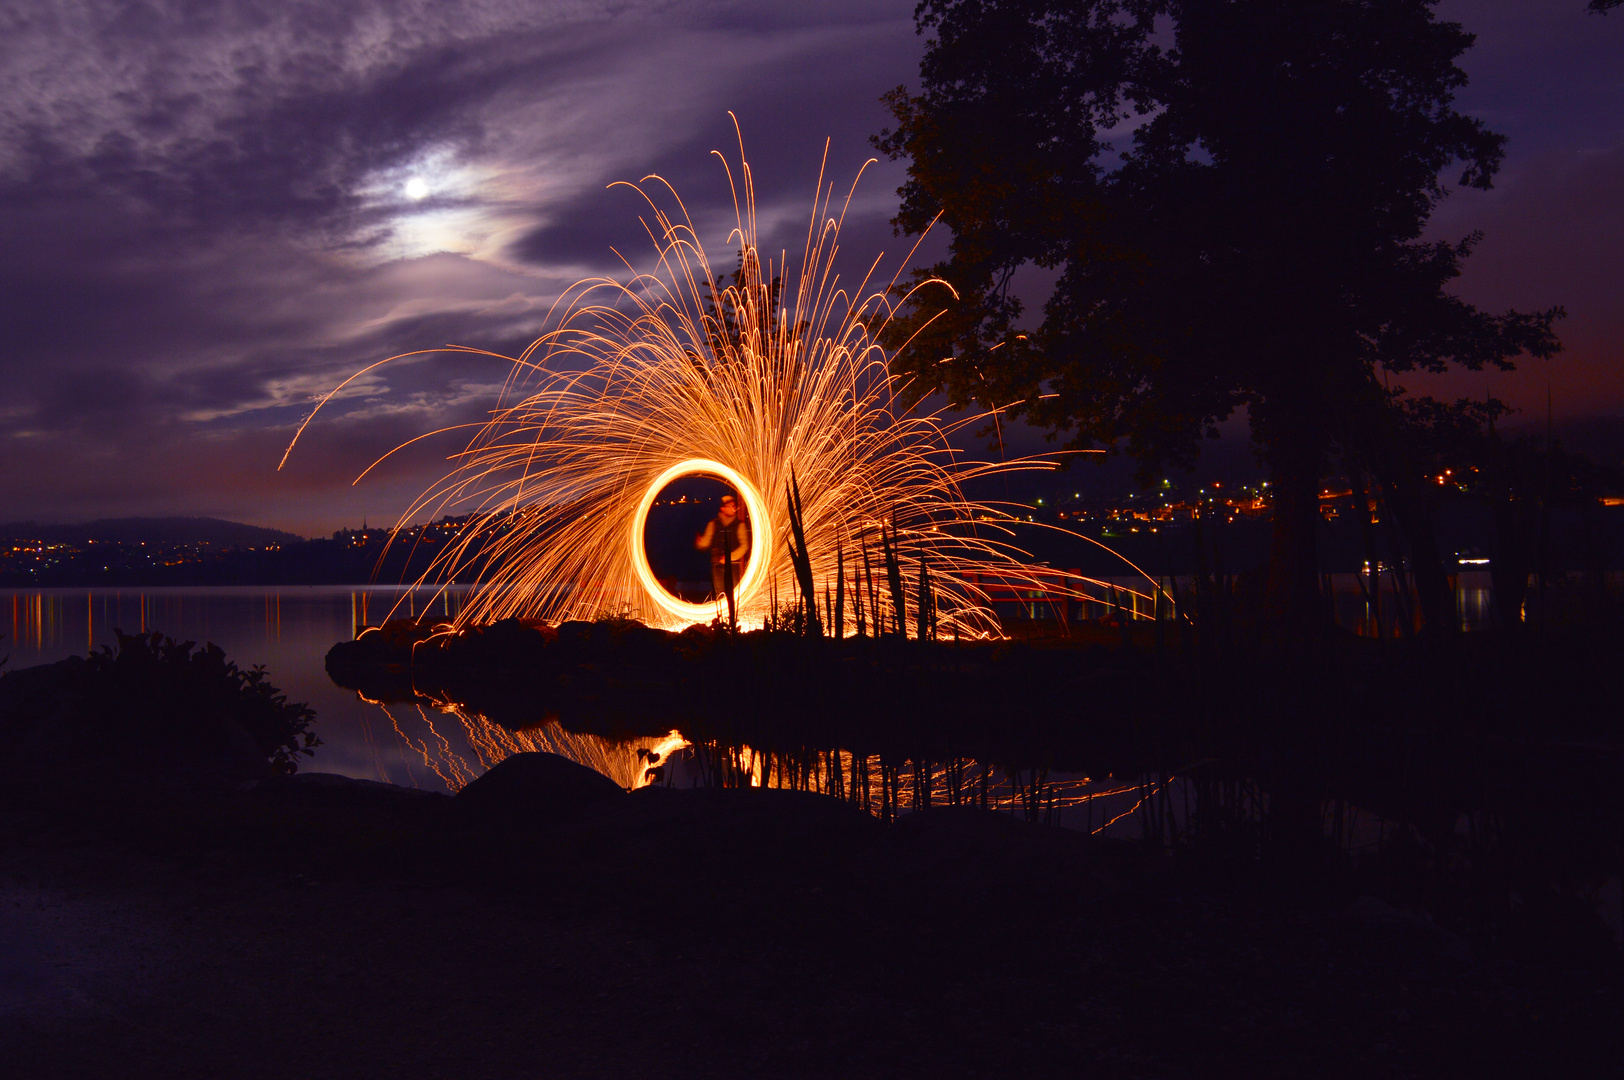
{"points": [[707, 842], [338, 799], [958, 861], [698, 632], [536, 788], [623, 640], [1374, 912], [576, 632], [538, 629], [328, 789], [371, 666], [384, 651], [402, 634], [517, 644], [731, 819]]}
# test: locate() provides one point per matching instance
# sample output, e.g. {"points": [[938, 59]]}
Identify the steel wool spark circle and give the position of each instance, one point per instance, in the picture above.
{"points": [[779, 371], [760, 540]]}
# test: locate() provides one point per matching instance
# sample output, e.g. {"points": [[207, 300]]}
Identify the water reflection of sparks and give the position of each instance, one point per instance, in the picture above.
{"points": [[631, 763], [862, 780], [882, 788]]}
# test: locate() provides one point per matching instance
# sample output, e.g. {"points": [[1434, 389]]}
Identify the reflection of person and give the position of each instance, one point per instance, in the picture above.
{"points": [[728, 538]]}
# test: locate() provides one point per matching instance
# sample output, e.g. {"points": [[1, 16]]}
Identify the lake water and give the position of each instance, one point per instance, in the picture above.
{"points": [[440, 746], [288, 630], [433, 746]]}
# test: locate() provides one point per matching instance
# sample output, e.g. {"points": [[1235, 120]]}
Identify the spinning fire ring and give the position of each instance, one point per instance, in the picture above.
{"points": [[760, 539]]}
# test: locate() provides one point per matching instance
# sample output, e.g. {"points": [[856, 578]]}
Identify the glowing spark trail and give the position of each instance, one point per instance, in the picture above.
{"points": [[680, 372]]}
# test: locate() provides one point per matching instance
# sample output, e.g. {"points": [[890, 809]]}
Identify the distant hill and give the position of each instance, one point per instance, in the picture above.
{"points": [[167, 530], [1599, 438]]}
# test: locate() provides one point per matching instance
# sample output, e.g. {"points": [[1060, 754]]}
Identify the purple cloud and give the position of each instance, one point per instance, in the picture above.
{"points": [[211, 214]]}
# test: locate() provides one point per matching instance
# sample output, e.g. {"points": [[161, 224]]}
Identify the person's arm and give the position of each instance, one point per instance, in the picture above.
{"points": [[744, 542], [703, 540]]}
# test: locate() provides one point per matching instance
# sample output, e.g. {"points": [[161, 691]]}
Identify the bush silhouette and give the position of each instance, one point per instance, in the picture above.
{"points": [[152, 687]]}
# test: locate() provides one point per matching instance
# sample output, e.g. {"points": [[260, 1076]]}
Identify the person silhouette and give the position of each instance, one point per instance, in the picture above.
{"points": [[727, 536]]}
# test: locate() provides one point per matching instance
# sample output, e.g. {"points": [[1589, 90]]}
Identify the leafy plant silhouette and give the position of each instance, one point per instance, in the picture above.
{"points": [[153, 687]]}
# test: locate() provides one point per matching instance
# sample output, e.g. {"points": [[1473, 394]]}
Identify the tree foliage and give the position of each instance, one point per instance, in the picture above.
{"points": [[1231, 196]]}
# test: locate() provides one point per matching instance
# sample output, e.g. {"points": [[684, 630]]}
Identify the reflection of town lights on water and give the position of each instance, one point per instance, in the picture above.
{"points": [[778, 374]]}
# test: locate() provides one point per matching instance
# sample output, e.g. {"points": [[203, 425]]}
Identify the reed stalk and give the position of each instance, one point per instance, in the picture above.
{"points": [[801, 558], [875, 615], [922, 603], [857, 600], [893, 578], [838, 629]]}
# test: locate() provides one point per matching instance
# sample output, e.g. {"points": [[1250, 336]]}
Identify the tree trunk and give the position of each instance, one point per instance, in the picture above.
{"points": [[1426, 562], [1401, 481], [1367, 533], [1292, 609]]}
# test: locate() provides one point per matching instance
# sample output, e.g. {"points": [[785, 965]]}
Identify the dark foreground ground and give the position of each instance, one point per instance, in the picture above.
{"points": [[326, 928]]}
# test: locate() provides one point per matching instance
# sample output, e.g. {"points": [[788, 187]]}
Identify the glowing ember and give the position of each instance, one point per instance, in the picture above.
{"points": [[676, 373]]}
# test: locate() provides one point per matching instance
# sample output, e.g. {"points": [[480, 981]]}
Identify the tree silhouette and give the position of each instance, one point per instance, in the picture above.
{"points": [[1254, 242]]}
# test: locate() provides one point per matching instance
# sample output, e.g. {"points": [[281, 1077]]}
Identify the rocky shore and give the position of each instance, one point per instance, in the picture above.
{"points": [[545, 923], [177, 901]]}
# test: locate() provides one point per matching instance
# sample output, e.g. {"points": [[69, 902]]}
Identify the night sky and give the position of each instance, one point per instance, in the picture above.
{"points": [[212, 213]]}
